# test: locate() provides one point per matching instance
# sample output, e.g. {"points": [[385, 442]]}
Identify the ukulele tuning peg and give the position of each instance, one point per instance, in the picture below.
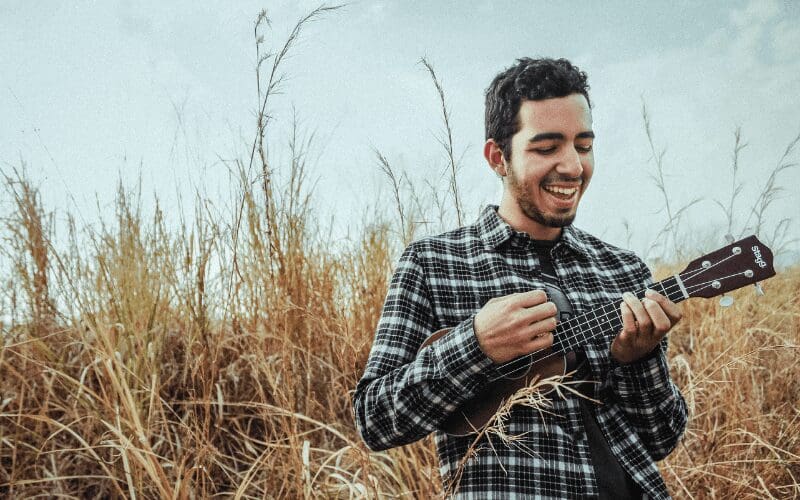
{"points": [[726, 301], [759, 290]]}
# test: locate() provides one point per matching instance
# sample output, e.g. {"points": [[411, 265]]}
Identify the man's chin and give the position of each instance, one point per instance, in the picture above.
{"points": [[559, 222], [551, 220]]}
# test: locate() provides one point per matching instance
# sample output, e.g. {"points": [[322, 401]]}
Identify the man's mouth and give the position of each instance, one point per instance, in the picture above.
{"points": [[562, 193]]}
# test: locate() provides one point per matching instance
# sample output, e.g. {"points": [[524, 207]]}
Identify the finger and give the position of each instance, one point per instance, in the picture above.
{"points": [[670, 308], [661, 323], [639, 312], [529, 299], [629, 328], [537, 313], [546, 325], [542, 341]]}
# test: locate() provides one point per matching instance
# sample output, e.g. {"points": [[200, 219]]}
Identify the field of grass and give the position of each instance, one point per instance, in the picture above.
{"points": [[218, 358]]}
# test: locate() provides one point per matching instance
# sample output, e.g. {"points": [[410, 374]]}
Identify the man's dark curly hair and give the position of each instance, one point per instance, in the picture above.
{"points": [[528, 79]]}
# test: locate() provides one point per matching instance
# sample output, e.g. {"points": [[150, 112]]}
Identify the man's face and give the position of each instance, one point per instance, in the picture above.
{"points": [[551, 160]]}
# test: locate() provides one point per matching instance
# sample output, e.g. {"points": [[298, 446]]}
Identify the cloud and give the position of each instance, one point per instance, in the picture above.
{"points": [[134, 23], [757, 11], [786, 41]]}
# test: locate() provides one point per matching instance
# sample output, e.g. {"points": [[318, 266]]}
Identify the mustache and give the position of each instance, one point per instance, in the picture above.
{"points": [[555, 179]]}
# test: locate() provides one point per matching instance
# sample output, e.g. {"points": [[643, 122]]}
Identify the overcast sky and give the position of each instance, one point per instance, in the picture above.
{"points": [[90, 91]]}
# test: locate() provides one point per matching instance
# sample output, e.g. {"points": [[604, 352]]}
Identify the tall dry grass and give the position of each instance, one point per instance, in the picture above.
{"points": [[217, 358], [738, 370], [154, 376]]}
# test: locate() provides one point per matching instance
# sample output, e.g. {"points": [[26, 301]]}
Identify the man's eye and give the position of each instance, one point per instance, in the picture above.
{"points": [[583, 149], [545, 151]]}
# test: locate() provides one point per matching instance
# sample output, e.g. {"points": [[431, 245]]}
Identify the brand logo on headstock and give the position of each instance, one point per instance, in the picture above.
{"points": [[757, 253]]}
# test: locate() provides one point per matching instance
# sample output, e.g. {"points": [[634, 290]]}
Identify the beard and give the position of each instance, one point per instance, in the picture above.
{"points": [[523, 196], [549, 220]]}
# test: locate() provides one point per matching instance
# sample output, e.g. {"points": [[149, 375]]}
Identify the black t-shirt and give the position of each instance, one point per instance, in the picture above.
{"points": [[612, 480]]}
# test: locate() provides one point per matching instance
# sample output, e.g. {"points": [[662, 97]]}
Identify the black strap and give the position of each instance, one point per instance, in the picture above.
{"points": [[613, 482]]}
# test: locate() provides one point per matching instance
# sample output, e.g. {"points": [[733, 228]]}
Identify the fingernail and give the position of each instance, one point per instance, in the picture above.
{"points": [[650, 293]]}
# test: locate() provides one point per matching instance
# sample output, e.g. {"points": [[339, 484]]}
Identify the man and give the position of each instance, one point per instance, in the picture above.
{"points": [[502, 285]]}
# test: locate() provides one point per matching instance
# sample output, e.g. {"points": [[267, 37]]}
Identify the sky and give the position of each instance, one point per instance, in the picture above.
{"points": [[165, 92]]}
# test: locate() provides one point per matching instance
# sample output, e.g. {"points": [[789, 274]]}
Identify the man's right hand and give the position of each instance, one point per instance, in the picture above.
{"points": [[514, 325]]}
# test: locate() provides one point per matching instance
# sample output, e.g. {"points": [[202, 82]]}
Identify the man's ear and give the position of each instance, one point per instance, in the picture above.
{"points": [[494, 157]]}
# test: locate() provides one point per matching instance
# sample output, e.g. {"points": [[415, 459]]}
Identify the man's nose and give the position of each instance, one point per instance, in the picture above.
{"points": [[571, 164]]}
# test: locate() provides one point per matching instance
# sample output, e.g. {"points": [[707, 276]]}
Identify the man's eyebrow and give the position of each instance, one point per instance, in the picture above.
{"points": [[546, 136]]}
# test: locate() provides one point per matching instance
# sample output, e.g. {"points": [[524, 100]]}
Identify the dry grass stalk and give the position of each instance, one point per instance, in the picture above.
{"points": [[538, 395], [28, 232], [670, 229], [447, 143]]}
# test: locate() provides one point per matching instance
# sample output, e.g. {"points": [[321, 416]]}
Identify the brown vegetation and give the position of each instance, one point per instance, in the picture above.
{"points": [[139, 364]]}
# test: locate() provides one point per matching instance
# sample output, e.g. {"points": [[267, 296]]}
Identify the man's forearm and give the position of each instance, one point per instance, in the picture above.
{"points": [[407, 402], [652, 402]]}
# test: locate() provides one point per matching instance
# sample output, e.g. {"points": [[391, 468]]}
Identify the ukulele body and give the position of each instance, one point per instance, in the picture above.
{"points": [[474, 414]]}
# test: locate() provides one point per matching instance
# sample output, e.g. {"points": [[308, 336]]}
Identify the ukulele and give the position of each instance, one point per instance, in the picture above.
{"points": [[734, 266]]}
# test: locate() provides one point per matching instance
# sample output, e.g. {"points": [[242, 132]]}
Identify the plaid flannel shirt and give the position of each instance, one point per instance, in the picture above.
{"points": [[443, 281]]}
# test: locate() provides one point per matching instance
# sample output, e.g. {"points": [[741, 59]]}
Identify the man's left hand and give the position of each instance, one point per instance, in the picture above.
{"points": [[644, 324]]}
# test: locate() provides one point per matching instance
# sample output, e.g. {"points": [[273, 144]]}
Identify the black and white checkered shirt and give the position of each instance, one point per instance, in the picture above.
{"points": [[441, 282]]}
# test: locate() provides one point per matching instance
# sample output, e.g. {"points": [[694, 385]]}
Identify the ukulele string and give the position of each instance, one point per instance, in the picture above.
{"points": [[667, 290], [702, 269], [607, 318], [702, 286], [579, 320]]}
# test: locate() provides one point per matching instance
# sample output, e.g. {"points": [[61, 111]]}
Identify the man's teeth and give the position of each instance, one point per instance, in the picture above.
{"points": [[560, 190]]}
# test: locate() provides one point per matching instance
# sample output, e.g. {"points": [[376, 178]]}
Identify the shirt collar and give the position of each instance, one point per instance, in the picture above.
{"points": [[494, 232]]}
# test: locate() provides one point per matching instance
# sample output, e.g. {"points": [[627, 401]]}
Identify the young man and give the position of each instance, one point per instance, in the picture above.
{"points": [[502, 285]]}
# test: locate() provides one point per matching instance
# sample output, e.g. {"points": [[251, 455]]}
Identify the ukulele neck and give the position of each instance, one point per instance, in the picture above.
{"points": [[579, 330]]}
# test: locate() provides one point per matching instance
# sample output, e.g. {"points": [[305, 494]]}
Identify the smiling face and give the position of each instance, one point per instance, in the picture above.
{"points": [[550, 167]]}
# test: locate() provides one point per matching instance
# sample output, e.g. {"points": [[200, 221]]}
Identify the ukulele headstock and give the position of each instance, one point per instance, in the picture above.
{"points": [[744, 262]]}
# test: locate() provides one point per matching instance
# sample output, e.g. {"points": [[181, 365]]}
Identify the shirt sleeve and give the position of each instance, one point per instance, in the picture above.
{"points": [[647, 395], [403, 395]]}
